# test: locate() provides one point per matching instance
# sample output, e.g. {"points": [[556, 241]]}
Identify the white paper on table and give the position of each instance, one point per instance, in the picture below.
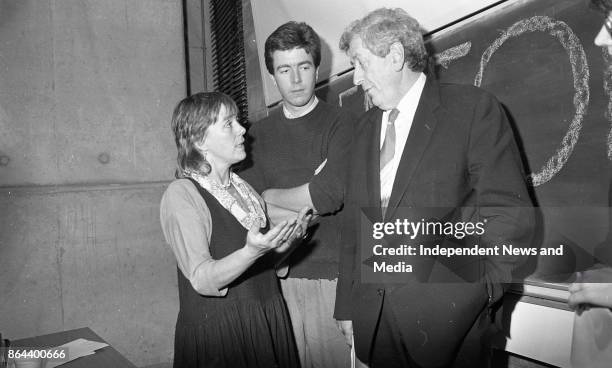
{"points": [[76, 349]]}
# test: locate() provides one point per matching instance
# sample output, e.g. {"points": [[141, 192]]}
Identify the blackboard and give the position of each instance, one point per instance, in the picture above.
{"points": [[538, 58]]}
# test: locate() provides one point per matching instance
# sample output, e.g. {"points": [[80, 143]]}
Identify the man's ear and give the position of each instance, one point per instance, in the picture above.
{"points": [[316, 74], [273, 79], [396, 53]]}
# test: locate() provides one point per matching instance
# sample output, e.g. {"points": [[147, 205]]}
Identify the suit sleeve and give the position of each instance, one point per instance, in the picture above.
{"points": [[496, 174], [346, 263], [327, 188], [603, 251]]}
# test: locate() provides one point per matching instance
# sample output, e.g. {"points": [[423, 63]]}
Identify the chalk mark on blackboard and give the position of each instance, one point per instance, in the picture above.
{"points": [[580, 70], [445, 57], [608, 91]]}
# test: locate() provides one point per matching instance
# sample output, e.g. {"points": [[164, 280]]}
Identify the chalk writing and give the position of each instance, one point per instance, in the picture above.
{"points": [[445, 57], [580, 70], [607, 79]]}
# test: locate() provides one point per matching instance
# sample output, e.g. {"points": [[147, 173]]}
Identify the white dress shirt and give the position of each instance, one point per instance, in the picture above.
{"points": [[407, 108]]}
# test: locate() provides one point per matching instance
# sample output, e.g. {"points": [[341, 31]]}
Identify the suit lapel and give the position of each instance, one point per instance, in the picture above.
{"points": [[423, 125], [372, 137]]}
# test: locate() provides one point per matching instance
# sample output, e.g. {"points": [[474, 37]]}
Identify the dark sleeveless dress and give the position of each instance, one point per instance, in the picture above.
{"points": [[250, 326]]}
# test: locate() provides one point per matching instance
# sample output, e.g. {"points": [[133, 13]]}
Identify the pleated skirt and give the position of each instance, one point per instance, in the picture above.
{"points": [[248, 333]]}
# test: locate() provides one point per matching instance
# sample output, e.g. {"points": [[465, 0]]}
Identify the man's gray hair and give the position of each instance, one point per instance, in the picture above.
{"points": [[381, 28]]}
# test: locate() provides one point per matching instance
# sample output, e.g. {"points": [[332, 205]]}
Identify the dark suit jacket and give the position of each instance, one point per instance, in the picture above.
{"points": [[460, 152], [603, 251]]}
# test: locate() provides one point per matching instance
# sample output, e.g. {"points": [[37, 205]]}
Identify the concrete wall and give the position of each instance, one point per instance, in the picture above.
{"points": [[87, 89]]}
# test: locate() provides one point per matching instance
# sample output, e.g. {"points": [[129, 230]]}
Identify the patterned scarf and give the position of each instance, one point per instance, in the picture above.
{"points": [[254, 214]]}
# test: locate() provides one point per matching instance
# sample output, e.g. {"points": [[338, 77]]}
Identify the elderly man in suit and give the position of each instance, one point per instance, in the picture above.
{"points": [[423, 145]]}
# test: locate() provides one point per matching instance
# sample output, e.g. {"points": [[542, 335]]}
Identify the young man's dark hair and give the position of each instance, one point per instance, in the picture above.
{"points": [[289, 36]]}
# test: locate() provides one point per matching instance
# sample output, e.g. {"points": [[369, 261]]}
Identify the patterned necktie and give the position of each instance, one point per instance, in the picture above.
{"points": [[388, 151], [388, 148]]}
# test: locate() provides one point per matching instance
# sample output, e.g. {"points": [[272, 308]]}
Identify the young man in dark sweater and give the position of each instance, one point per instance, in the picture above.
{"points": [[289, 148]]}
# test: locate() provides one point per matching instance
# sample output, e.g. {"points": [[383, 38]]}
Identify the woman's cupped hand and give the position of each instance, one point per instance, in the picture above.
{"points": [[281, 236]]}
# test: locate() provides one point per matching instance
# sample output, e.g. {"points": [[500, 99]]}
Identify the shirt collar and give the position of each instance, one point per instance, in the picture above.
{"points": [[310, 107], [413, 95]]}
